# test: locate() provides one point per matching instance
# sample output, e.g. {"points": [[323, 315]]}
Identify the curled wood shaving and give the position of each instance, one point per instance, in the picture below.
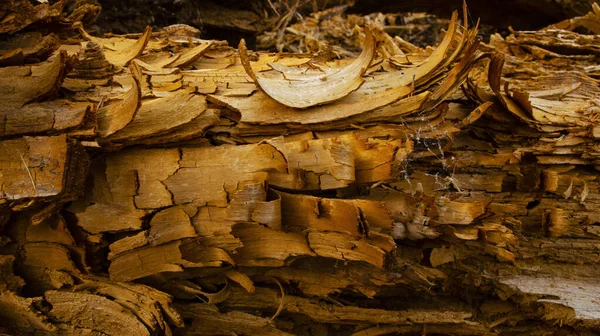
{"points": [[569, 190], [116, 116], [125, 53], [314, 90], [241, 279], [584, 193], [475, 115], [281, 303], [213, 298]]}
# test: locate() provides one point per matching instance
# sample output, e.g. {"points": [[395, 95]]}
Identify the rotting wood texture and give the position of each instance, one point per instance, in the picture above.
{"points": [[158, 183]]}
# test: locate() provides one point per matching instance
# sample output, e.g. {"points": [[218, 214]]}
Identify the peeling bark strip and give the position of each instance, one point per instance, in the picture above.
{"points": [[237, 192]]}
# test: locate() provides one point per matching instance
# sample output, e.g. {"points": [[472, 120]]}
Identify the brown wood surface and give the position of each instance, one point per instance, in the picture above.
{"points": [[149, 186]]}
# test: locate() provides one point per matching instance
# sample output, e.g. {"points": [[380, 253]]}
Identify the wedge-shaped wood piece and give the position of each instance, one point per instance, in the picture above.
{"points": [[314, 91], [194, 129], [23, 84], [116, 115], [119, 52], [128, 243], [162, 83], [50, 117], [308, 212], [159, 116]]}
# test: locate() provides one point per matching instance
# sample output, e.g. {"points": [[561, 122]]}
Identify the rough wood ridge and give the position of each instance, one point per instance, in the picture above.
{"points": [[159, 183]]}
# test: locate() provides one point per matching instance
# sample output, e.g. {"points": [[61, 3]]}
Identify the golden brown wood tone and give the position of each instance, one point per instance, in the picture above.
{"points": [[160, 184]]}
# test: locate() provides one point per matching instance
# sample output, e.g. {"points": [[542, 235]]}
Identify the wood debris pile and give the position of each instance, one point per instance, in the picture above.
{"points": [[160, 183]]}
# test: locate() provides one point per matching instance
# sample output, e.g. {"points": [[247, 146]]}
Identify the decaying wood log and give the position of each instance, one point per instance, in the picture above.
{"points": [[158, 183]]}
